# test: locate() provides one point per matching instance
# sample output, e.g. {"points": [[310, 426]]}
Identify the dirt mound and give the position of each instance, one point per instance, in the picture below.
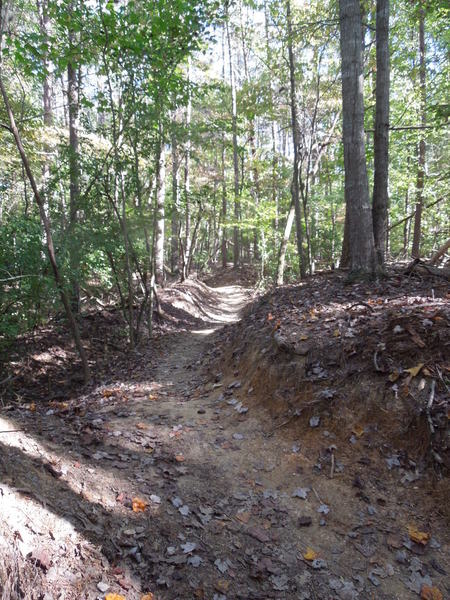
{"points": [[365, 361]]}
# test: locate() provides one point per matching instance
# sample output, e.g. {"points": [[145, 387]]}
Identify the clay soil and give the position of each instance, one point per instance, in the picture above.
{"points": [[290, 445]]}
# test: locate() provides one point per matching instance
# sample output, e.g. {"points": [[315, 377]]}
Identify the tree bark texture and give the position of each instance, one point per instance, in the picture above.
{"points": [[417, 235], [160, 213], [236, 244], [362, 260], [380, 200], [295, 191]]}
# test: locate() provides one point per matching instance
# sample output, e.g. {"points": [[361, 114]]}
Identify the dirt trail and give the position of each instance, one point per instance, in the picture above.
{"points": [[231, 506]]}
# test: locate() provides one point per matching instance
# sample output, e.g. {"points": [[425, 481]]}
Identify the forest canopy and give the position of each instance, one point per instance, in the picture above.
{"points": [[143, 140]]}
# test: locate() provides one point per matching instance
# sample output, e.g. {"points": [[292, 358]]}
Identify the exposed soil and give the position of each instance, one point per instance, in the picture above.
{"points": [[290, 455]]}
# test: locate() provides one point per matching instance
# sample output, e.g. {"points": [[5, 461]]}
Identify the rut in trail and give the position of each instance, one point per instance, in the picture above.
{"points": [[172, 480]]}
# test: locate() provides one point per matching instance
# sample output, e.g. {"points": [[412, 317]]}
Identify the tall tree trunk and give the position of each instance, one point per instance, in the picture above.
{"points": [[361, 245], [187, 187], [417, 235], [74, 169], [159, 211], [295, 140], [174, 254], [284, 243], [236, 241], [46, 225], [380, 201]]}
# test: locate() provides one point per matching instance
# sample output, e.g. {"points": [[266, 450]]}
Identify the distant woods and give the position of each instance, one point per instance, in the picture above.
{"points": [[143, 140]]}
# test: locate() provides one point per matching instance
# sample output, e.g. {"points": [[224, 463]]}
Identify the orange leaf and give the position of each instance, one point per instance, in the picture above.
{"points": [[310, 554], [270, 317], [358, 430], [141, 426], [32, 407], [419, 537], [431, 593], [114, 597], [139, 505], [148, 596]]}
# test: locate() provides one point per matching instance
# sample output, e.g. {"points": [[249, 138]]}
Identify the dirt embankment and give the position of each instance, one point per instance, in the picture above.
{"points": [[366, 362]]}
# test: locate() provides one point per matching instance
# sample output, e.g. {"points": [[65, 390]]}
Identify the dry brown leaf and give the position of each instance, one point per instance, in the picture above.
{"points": [[414, 371], [270, 317], [431, 593], [243, 517], [139, 505], [114, 597], [394, 376], [310, 554], [141, 426], [148, 596], [179, 458], [419, 537], [336, 333], [222, 585], [358, 430], [304, 337]]}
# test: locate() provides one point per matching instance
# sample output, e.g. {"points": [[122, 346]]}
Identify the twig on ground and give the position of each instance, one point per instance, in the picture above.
{"points": [[430, 404], [361, 304]]}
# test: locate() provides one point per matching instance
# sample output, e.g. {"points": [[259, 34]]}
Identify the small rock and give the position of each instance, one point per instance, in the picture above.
{"points": [[314, 421], [102, 586]]}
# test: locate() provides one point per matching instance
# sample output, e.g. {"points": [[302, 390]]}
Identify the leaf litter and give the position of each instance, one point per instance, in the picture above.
{"points": [[217, 500]]}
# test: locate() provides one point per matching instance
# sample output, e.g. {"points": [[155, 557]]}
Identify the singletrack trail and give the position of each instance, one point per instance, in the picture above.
{"points": [[167, 483]]}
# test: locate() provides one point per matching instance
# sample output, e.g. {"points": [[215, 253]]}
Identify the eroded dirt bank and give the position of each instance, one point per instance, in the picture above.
{"points": [[198, 473]]}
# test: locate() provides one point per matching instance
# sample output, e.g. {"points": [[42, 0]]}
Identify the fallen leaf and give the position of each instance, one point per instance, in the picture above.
{"points": [[358, 430], [243, 517], [222, 585], [148, 596], [304, 338], [394, 376], [139, 505], [179, 458], [336, 333], [141, 426], [114, 597], [419, 537], [414, 371], [310, 554], [431, 593], [270, 317]]}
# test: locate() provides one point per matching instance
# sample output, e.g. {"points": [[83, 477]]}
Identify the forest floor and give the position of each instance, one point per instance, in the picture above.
{"points": [[290, 445]]}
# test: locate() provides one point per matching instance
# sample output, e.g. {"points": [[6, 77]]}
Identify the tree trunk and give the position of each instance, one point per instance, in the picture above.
{"points": [[74, 171], [159, 211], [417, 235], [295, 140], [284, 243], [48, 234], [362, 259], [236, 241], [380, 201], [174, 254], [440, 252]]}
